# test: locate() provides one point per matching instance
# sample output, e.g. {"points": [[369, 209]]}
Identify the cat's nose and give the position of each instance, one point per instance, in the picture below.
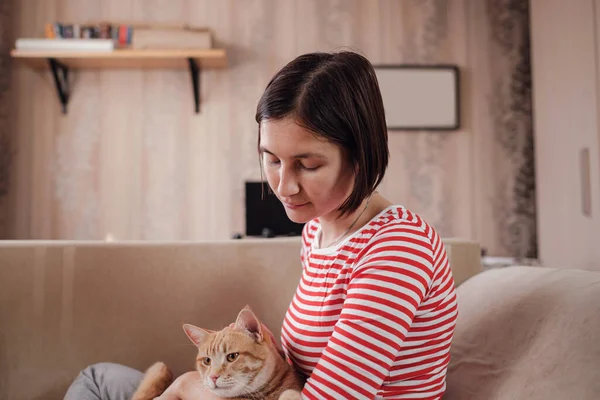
{"points": [[214, 378]]}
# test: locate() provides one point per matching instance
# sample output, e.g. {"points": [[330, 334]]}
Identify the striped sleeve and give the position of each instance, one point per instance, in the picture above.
{"points": [[387, 285]]}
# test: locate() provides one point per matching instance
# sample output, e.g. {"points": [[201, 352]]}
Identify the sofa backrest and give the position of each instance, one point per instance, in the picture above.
{"points": [[65, 305]]}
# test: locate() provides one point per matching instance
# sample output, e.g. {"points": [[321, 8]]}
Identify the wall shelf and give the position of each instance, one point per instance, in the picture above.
{"points": [[61, 62]]}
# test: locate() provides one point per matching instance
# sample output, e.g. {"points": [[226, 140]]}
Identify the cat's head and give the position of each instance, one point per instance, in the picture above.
{"points": [[236, 360]]}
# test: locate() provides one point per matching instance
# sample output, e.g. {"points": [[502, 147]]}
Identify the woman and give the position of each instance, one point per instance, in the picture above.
{"points": [[375, 310]]}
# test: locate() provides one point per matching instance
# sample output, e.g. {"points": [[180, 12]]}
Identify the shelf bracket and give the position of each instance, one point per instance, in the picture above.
{"points": [[195, 74], [61, 81]]}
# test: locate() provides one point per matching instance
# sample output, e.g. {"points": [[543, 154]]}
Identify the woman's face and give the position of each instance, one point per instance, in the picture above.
{"points": [[310, 175]]}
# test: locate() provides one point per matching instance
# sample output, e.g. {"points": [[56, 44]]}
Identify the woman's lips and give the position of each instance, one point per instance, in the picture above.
{"points": [[294, 206]]}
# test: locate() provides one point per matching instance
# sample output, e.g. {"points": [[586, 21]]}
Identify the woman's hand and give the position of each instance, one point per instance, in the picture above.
{"points": [[290, 395], [188, 386]]}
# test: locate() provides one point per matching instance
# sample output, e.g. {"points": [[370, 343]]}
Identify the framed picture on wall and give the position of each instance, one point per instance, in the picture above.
{"points": [[420, 97]]}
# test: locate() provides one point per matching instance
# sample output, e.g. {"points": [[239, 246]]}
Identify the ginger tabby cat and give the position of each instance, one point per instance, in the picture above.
{"points": [[241, 361]]}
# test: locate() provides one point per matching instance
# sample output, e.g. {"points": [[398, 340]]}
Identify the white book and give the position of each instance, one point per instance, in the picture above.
{"points": [[79, 45]]}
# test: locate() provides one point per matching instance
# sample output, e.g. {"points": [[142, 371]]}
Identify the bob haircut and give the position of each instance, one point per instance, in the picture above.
{"points": [[336, 96]]}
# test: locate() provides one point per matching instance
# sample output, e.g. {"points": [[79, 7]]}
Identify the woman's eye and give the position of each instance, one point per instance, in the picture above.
{"points": [[206, 361], [232, 357], [273, 161], [310, 167]]}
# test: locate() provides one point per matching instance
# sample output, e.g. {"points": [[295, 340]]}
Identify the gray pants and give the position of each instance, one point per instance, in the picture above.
{"points": [[104, 381]]}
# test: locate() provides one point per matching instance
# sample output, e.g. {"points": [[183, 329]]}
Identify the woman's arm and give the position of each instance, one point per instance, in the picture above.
{"points": [[385, 290]]}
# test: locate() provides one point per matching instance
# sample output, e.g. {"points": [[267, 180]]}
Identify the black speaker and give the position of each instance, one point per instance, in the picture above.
{"points": [[265, 215]]}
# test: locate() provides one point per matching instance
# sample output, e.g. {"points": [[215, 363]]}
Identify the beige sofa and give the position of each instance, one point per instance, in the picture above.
{"points": [[527, 333], [64, 305]]}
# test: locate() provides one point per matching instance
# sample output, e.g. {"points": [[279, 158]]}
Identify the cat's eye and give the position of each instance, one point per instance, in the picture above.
{"points": [[206, 361], [231, 357]]}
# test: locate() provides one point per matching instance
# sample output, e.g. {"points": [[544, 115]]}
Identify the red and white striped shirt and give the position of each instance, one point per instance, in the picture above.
{"points": [[374, 316]]}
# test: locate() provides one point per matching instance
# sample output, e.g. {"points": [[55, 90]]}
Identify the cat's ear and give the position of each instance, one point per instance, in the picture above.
{"points": [[247, 321], [196, 335], [247, 307]]}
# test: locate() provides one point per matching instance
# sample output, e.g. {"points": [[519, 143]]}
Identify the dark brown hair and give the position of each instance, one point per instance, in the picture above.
{"points": [[336, 96]]}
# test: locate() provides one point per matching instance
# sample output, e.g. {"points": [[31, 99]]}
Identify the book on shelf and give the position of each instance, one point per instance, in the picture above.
{"points": [[120, 34], [79, 45], [134, 35]]}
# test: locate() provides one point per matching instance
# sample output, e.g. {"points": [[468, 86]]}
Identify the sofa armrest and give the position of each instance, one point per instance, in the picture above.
{"points": [[465, 258]]}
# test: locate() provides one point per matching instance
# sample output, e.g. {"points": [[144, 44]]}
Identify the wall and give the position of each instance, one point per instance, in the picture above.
{"points": [[132, 160]]}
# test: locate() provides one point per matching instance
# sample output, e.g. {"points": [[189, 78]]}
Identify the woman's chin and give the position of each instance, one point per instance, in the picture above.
{"points": [[298, 216]]}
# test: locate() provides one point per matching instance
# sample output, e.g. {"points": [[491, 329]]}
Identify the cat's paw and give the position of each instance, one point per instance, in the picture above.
{"points": [[290, 394]]}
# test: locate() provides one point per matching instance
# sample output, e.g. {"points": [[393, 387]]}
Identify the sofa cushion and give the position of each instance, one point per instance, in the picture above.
{"points": [[527, 333]]}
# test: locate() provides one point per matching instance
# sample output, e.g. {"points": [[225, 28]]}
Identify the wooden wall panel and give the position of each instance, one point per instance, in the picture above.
{"points": [[132, 161]]}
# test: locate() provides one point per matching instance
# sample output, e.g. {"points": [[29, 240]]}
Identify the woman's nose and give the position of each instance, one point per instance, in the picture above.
{"points": [[288, 183]]}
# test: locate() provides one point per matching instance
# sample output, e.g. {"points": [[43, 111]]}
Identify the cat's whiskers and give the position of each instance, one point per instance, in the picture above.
{"points": [[239, 381], [248, 393], [204, 386], [225, 385], [243, 387]]}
